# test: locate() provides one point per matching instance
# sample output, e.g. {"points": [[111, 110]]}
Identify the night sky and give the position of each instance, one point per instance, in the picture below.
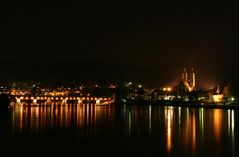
{"points": [[147, 42]]}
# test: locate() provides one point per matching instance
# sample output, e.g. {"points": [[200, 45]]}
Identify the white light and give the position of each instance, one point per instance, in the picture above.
{"points": [[98, 101]]}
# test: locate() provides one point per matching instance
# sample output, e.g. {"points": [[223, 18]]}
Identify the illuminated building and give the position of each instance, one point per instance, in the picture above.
{"points": [[165, 93], [189, 79], [217, 97]]}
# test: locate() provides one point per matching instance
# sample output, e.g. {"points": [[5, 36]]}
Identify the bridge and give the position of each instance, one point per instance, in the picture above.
{"points": [[61, 99]]}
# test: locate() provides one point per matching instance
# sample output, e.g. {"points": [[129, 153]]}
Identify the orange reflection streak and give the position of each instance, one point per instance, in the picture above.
{"points": [[53, 115], [79, 115], [95, 115], [169, 115], [61, 117], [37, 118], [87, 114], [217, 123], [92, 115], [187, 129], [29, 117], [194, 133], [21, 118]]}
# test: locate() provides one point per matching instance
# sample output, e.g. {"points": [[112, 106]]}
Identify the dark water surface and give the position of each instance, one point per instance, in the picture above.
{"points": [[97, 130]]}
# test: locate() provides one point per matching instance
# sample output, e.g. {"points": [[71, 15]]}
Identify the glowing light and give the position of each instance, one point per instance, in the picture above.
{"points": [[98, 101], [80, 101], [35, 101], [217, 98], [18, 100]]}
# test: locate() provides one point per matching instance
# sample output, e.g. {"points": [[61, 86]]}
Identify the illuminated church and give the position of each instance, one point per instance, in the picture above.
{"points": [[188, 79]]}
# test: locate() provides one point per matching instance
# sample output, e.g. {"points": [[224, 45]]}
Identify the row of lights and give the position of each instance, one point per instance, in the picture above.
{"points": [[70, 98]]}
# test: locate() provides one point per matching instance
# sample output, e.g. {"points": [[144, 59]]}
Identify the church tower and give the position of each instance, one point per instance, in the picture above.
{"points": [[191, 80], [185, 75], [189, 77]]}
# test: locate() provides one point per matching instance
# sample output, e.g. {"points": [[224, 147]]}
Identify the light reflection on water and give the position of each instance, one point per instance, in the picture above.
{"points": [[190, 131], [36, 118]]}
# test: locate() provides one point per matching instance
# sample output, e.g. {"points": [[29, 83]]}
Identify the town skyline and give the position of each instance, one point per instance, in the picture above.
{"points": [[149, 41]]}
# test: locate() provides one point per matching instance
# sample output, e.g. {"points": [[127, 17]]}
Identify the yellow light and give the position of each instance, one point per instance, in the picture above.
{"points": [[98, 101], [217, 98], [169, 89], [164, 89]]}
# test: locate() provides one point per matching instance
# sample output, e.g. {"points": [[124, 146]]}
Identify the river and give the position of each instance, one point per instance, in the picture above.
{"points": [[110, 130]]}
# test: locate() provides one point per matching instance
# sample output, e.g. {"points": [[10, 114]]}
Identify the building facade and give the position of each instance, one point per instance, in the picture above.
{"points": [[189, 79]]}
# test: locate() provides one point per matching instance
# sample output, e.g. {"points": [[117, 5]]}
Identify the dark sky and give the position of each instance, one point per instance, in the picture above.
{"points": [[152, 41]]}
